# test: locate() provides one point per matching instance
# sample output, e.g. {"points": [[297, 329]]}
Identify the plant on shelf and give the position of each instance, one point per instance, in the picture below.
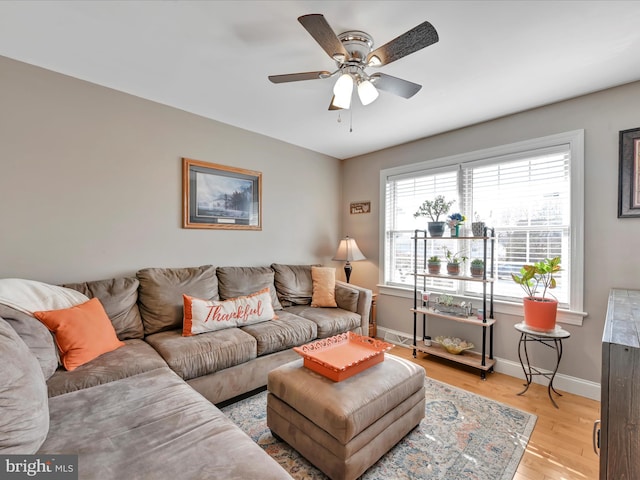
{"points": [[433, 264], [454, 221], [453, 261], [477, 267], [433, 209], [477, 227], [539, 311]]}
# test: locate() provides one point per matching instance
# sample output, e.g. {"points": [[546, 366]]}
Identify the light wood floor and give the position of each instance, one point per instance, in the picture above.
{"points": [[560, 447]]}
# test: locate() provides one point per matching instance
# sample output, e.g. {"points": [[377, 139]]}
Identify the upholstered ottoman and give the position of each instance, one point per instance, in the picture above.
{"points": [[345, 427]]}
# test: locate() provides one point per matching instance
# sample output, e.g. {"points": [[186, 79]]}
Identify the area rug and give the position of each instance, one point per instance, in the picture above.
{"points": [[463, 436]]}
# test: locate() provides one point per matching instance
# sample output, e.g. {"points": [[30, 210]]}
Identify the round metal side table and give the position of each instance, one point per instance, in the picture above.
{"points": [[552, 340]]}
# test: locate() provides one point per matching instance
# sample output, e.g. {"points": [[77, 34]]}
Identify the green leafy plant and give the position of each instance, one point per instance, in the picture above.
{"points": [[434, 259], [434, 208], [455, 258], [445, 300], [477, 263], [539, 275]]}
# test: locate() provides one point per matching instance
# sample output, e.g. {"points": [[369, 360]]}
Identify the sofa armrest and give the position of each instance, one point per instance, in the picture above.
{"points": [[363, 305]]}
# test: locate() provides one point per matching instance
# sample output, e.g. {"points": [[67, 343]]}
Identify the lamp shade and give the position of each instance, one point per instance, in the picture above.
{"points": [[342, 91], [348, 251], [367, 92]]}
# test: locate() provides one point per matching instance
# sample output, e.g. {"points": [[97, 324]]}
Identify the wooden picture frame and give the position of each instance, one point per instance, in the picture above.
{"points": [[356, 208], [629, 174], [220, 197]]}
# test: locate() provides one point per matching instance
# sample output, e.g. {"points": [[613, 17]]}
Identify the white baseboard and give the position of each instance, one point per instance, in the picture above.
{"points": [[566, 383]]}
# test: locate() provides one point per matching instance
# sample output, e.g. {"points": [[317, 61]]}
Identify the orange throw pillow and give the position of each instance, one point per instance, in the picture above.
{"points": [[324, 287], [82, 333]]}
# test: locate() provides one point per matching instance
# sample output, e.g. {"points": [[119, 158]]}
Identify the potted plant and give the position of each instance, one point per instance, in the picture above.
{"points": [[454, 221], [477, 267], [453, 261], [433, 209], [539, 311], [477, 227], [434, 264]]}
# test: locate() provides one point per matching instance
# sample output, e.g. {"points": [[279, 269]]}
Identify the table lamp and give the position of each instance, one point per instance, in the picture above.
{"points": [[348, 251]]}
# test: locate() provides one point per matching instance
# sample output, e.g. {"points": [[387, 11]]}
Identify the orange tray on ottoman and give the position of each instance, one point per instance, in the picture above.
{"points": [[343, 355]]}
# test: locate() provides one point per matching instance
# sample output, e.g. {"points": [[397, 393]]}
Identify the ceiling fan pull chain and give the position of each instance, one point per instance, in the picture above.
{"points": [[351, 120], [339, 119]]}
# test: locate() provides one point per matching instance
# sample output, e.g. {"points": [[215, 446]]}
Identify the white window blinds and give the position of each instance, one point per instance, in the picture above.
{"points": [[525, 196]]}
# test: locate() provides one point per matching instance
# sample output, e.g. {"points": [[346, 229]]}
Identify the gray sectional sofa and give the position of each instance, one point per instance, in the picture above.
{"points": [[147, 409]]}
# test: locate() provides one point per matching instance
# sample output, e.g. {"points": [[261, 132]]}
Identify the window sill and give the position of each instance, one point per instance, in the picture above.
{"points": [[568, 317]]}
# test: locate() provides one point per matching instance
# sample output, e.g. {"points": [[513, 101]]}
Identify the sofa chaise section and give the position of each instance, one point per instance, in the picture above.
{"points": [[152, 425]]}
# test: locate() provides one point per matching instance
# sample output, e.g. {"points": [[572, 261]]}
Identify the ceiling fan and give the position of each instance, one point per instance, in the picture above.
{"points": [[352, 53]]}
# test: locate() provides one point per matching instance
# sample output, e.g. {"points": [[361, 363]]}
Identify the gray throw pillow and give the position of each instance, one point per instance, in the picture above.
{"points": [[24, 422]]}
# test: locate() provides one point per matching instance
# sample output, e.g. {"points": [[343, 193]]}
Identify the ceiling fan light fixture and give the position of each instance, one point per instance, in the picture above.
{"points": [[342, 91], [367, 92]]}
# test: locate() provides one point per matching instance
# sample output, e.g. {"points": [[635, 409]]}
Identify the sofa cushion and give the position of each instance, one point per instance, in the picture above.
{"points": [[200, 355], [347, 297], [239, 281], [293, 284], [136, 356], [161, 290], [153, 426], [119, 297], [324, 287], [24, 421], [287, 331], [330, 321], [82, 333], [202, 316], [37, 337]]}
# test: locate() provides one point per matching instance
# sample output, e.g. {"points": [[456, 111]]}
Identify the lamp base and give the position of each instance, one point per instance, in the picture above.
{"points": [[347, 271]]}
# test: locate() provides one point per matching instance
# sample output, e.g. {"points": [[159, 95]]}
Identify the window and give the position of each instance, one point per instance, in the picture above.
{"points": [[530, 192]]}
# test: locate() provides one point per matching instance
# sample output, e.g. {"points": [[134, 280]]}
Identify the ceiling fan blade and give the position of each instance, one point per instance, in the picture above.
{"points": [[397, 86], [296, 77], [320, 30], [409, 42]]}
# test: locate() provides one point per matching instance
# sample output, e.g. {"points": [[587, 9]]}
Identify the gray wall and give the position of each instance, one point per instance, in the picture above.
{"points": [[91, 185], [611, 244]]}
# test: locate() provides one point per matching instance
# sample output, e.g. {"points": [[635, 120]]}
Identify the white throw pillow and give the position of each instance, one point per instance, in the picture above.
{"points": [[30, 296], [202, 316]]}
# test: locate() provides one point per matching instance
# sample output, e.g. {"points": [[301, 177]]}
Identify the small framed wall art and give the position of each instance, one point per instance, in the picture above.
{"points": [[629, 174], [216, 196], [360, 207]]}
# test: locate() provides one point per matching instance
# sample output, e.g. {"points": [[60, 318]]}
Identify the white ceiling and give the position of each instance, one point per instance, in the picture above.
{"points": [[212, 58]]}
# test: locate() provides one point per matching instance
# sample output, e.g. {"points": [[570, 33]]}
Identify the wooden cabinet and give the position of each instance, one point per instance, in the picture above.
{"points": [[619, 435]]}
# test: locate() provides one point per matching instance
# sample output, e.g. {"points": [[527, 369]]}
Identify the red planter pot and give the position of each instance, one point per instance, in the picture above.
{"points": [[540, 313]]}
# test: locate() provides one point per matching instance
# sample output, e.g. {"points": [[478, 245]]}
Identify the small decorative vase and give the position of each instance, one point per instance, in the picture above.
{"points": [[455, 231], [478, 229]]}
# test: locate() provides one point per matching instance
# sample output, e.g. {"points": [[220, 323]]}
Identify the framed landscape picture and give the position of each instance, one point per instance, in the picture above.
{"points": [[217, 196], [629, 174]]}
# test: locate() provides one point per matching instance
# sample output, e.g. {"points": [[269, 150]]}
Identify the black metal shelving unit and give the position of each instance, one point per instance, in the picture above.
{"points": [[483, 361]]}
